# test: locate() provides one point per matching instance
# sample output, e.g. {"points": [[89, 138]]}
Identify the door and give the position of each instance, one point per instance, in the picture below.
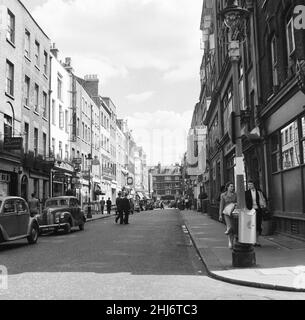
{"points": [[9, 218], [23, 217]]}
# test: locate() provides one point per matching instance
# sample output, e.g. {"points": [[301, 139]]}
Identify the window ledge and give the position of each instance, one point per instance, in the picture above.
{"points": [[10, 96], [27, 107], [37, 114], [46, 76], [37, 67], [11, 43], [45, 119]]}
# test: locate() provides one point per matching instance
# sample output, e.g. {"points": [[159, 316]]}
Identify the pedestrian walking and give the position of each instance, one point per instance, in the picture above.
{"points": [[119, 209], [256, 200], [34, 205], [125, 205], [228, 202], [102, 203], [162, 206], [109, 206], [186, 203]]}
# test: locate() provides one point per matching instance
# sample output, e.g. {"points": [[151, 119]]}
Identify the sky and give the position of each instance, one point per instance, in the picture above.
{"points": [[147, 56]]}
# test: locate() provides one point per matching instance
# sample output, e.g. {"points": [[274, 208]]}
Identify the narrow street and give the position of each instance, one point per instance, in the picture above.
{"points": [[152, 258]]}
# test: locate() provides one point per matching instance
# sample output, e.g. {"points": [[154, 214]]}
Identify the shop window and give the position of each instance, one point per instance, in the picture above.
{"points": [[291, 148], [303, 138]]}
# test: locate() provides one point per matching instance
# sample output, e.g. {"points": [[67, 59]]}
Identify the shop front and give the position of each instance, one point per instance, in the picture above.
{"points": [[286, 164]]}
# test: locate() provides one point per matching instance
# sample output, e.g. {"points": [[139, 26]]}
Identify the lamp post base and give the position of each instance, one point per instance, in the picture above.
{"points": [[243, 256]]}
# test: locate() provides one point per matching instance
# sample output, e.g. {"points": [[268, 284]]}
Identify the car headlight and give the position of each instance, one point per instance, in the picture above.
{"points": [[57, 220], [62, 215]]}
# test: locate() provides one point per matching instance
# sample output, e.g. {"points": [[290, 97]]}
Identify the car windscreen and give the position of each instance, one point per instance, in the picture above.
{"points": [[57, 203]]}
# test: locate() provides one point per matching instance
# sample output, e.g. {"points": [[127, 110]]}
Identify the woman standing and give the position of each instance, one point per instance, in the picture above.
{"points": [[228, 202]]}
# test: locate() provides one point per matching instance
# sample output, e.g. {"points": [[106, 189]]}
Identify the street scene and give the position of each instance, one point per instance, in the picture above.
{"points": [[165, 162]]}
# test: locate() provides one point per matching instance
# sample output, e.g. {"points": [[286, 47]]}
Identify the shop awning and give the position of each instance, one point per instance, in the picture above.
{"points": [[140, 195]]}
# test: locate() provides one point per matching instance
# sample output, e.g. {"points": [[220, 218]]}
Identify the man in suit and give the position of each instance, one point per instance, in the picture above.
{"points": [[256, 200], [119, 209], [125, 205], [109, 206]]}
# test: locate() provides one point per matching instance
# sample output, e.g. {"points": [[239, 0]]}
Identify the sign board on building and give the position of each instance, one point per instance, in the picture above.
{"points": [[77, 161], [130, 181], [13, 143]]}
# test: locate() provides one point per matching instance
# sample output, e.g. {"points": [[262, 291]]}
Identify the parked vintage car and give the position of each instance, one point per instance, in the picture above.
{"points": [[62, 213], [16, 221]]}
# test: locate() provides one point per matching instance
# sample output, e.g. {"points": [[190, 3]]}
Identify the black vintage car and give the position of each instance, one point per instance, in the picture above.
{"points": [[62, 213]]}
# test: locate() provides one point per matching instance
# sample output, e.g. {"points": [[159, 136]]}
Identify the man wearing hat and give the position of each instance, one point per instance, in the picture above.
{"points": [[119, 209]]}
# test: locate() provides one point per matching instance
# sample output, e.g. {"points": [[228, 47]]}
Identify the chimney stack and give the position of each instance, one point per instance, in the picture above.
{"points": [[54, 50]]}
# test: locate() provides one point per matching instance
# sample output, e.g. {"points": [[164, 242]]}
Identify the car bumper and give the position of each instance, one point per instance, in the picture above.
{"points": [[53, 227]]}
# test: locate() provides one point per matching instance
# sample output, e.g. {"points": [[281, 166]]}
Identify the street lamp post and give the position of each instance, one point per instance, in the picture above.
{"points": [[234, 17], [89, 213]]}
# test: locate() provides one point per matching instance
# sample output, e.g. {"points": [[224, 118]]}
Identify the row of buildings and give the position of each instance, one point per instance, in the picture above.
{"points": [[269, 87], [58, 134]]}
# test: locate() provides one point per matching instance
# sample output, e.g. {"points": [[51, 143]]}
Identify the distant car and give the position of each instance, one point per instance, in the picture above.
{"points": [[16, 221], [62, 213]]}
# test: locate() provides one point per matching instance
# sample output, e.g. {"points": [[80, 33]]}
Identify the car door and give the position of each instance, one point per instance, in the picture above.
{"points": [[23, 216], [9, 218]]}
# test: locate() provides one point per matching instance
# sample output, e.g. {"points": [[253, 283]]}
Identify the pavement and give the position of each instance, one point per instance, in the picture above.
{"points": [[100, 216], [280, 262]]}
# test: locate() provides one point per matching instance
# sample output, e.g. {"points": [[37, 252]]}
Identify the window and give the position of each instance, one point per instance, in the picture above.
{"points": [[53, 146], [44, 141], [53, 112], [60, 149], [37, 53], [27, 91], [45, 104], [83, 130], [227, 108], [78, 127], [274, 61], [303, 137], [9, 78], [27, 44], [67, 121], [290, 37], [36, 142], [291, 149], [10, 26], [45, 64], [66, 152], [61, 118], [59, 88], [275, 153], [36, 98], [8, 126], [26, 137]]}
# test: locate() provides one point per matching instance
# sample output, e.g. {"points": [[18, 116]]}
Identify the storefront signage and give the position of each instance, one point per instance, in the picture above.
{"points": [[11, 143]]}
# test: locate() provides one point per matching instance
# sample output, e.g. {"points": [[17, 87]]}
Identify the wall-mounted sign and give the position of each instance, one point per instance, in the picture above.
{"points": [[77, 161], [130, 181], [13, 143]]}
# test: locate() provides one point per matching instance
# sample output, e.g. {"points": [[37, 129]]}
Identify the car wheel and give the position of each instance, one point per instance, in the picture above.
{"points": [[33, 237], [82, 227], [68, 228]]}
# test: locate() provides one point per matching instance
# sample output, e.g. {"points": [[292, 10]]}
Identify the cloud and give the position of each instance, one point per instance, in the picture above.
{"points": [[126, 34], [162, 134], [140, 97]]}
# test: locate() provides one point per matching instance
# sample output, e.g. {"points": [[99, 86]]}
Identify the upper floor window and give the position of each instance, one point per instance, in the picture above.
{"points": [[45, 104], [36, 98], [61, 118], [45, 64], [37, 53], [227, 108], [27, 44], [53, 112], [274, 61], [8, 126], [10, 26], [9, 78], [59, 88], [290, 37], [27, 91]]}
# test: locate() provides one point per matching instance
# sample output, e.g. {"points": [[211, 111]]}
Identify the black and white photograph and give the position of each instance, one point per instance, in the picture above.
{"points": [[152, 153]]}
